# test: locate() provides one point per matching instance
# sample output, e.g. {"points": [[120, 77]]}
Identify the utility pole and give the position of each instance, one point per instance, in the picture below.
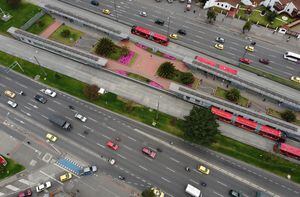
{"points": [[40, 66]]}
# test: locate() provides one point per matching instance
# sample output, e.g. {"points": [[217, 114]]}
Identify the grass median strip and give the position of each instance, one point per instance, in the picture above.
{"points": [[227, 146], [10, 169]]}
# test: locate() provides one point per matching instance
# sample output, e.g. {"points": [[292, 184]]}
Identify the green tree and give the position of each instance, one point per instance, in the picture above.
{"points": [[91, 91], [211, 15], [65, 33], [148, 193], [271, 16], [247, 26], [200, 126], [125, 50], [288, 116], [105, 47], [14, 3], [166, 70], [233, 95], [187, 78]]}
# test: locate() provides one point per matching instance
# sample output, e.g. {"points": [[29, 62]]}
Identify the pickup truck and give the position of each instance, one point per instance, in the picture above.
{"points": [[60, 121]]}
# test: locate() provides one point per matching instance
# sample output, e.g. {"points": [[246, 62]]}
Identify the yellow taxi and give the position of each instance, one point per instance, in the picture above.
{"points": [[9, 94], [157, 192], [51, 137], [203, 169], [106, 11], [174, 36], [249, 48], [296, 79], [65, 177], [219, 46]]}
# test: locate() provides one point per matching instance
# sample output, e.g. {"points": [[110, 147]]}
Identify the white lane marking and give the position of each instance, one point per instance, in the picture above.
{"points": [[34, 106], [105, 136], [81, 135], [235, 43], [111, 128], [198, 36], [290, 68], [218, 194], [24, 86], [11, 187], [287, 73], [19, 120], [100, 145], [194, 181], [44, 116], [44, 173], [222, 183], [125, 146], [174, 160], [51, 109], [121, 156], [26, 182], [68, 118], [195, 41], [57, 102], [170, 169], [28, 114], [131, 138], [87, 127], [143, 168], [163, 178], [233, 48], [7, 78], [230, 53], [27, 108], [1, 194], [2, 85], [92, 119]]}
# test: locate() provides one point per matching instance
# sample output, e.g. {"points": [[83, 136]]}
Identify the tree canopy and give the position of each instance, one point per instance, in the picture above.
{"points": [[288, 116], [247, 26], [166, 70], [105, 47], [91, 91], [14, 3], [200, 126], [148, 193], [187, 78], [211, 15], [233, 95]]}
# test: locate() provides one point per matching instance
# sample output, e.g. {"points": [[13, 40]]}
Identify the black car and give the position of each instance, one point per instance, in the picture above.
{"points": [[159, 22], [95, 3], [40, 98], [264, 61], [181, 32]]}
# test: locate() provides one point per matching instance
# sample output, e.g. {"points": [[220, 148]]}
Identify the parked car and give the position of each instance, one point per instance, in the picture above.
{"points": [[181, 32], [94, 2], [110, 144], [49, 92], [159, 22], [80, 117], [296, 79], [220, 40], [65, 177], [51, 137], [40, 99], [149, 152], [25, 193], [264, 61], [245, 60], [41, 187], [9, 94], [12, 104], [219, 46]]}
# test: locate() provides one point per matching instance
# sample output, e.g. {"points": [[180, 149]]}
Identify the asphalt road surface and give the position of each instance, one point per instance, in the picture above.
{"points": [[166, 171], [200, 35]]}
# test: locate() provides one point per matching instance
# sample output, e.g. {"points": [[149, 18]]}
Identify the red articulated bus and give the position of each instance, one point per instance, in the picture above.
{"points": [[248, 124], [150, 35], [287, 150]]}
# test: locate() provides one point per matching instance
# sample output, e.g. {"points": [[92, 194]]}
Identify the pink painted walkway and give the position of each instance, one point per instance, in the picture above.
{"points": [[146, 65], [52, 28]]}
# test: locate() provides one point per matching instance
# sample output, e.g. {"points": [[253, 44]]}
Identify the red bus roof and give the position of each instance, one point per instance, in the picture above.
{"points": [[228, 69], [221, 113], [246, 122], [290, 149], [206, 61], [270, 130], [149, 32]]}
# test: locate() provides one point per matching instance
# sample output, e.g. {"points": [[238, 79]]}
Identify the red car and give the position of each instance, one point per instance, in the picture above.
{"points": [[112, 145], [264, 61], [25, 193], [245, 60], [149, 152]]}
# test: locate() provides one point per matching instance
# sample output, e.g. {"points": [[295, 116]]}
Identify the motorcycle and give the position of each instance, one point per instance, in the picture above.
{"points": [[187, 169], [121, 177]]}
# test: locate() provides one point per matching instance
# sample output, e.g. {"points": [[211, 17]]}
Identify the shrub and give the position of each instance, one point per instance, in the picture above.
{"points": [[65, 33], [187, 78], [288, 116]]}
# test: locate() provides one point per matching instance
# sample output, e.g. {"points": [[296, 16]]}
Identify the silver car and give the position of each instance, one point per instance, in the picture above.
{"points": [[12, 104]]}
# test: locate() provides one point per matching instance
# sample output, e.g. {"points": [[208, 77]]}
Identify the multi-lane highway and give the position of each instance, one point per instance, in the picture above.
{"points": [[166, 171], [200, 35]]}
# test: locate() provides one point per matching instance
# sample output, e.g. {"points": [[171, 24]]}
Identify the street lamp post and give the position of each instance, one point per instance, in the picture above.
{"points": [[115, 6], [168, 25]]}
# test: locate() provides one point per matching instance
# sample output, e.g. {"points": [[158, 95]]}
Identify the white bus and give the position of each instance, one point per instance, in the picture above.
{"points": [[193, 191], [292, 56]]}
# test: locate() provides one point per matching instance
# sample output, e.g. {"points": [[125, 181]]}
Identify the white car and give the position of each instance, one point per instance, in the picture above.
{"points": [[112, 161], [80, 117], [12, 104], [143, 13], [43, 186], [49, 92]]}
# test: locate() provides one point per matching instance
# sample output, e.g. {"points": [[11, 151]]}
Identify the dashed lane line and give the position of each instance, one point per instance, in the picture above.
{"points": [[170, 169], [163, 178], [221, 183], [143, 168]]}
